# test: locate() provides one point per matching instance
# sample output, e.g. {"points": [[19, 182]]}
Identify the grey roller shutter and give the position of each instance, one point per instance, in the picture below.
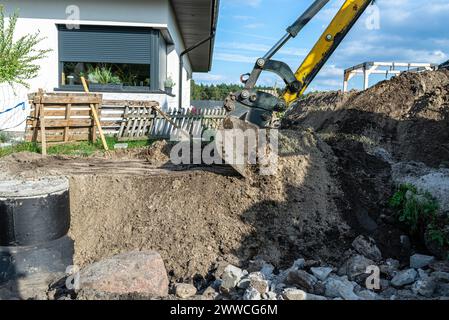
{"points": [[106, 44]]}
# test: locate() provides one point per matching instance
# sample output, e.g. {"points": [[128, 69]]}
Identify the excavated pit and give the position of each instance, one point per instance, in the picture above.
{"points": [[200, 215]]}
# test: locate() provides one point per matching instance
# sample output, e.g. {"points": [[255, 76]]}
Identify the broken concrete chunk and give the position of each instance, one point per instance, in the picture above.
{"points": [[424, 287], [321, 273], [209, 294], [185, 290], [404, 277], [440, 276], [367, 247], [294, 294], [418, 261], [231, 277], [302, 279], [134, 272], [269, 296], [251, 294], [340, 287], [260, 285], [356, 266], [299, 264], [368, 295]]}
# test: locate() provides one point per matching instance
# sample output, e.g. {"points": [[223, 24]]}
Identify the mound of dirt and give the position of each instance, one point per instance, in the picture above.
{"points": [[407, 115], [197, 216]]}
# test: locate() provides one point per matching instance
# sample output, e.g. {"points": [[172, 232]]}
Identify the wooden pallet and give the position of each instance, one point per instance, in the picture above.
{"points": [[58, 118]]}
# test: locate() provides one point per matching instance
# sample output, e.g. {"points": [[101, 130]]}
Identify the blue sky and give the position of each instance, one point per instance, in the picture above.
{"points": [[409, 31]]}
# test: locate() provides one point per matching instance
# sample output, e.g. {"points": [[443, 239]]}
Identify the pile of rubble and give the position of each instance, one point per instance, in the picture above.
{"points": [[364, 276]]}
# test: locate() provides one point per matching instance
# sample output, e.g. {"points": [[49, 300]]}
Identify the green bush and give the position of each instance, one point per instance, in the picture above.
{"points": [[413, 208], [419, 212], [17, 58]]}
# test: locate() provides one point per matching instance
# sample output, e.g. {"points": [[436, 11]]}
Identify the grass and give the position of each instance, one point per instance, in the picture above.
{"points": [[83, 148]]}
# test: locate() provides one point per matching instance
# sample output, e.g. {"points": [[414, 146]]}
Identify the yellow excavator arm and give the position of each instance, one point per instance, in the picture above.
{"points": [[256, 107], [331, 38]]}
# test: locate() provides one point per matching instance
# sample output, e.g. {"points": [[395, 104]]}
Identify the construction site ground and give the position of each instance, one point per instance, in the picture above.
{"points": [[341, 156]]}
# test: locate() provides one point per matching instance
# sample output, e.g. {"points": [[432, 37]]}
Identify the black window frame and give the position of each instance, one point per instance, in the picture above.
{"points": [[158, 70]]}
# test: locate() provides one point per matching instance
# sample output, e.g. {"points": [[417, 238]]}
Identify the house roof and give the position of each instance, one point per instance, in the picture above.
{"points": [[197, 19]]}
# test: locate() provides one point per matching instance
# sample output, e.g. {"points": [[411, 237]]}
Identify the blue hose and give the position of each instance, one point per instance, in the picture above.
{"points": [[22, 104]]}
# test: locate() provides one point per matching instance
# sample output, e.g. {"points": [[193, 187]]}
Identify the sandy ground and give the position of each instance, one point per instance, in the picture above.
{"points": [[198, 215]]}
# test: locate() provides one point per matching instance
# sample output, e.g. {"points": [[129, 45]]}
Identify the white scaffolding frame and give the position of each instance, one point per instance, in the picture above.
{"points": [[393, 68]]}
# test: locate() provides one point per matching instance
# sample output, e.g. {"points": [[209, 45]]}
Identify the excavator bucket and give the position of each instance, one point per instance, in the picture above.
{"points": [[248, 149]]}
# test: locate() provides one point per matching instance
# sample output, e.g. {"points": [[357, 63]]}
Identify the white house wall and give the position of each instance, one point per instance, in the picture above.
{"points": [[44, 15]]}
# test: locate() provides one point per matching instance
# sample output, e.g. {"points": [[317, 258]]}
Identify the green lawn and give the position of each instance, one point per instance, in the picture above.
{"points": [[83, 148]]}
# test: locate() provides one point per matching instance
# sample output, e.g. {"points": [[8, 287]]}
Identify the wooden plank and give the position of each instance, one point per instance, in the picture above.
{"points": [[123, 123], [42, 125], [67, 117], [97, 120], [62, 112], [73, 99], [36, 117]]}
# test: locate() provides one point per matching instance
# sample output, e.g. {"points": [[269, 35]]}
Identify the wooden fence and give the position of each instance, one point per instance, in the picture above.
{"points": [[143, 117], [115, 113]]}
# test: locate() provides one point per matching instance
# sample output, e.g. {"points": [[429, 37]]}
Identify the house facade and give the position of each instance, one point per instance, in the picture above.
{"points": [[126, 49]]}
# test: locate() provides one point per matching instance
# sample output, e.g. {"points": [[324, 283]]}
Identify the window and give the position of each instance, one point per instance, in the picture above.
{"points": [[112, 58]]}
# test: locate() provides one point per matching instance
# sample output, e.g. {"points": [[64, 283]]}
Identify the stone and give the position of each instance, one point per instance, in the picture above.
{"points": [[443, 289], [133, 272], [384, 284], [355, 267], [425, 287], [299, 264], [251, 294], [314, 297], [404, 277], [340, 287], [185, 290], [244, 283], [406, 295], [209, 294], [442, 266], [267, 271], [368, 295], [231, 277], [390, 267], [319, 288], [440, 276], [260, 285], [302, 279], [269, 296], [367, 248], [418, 261], [311, 264], [321, 273], [294, 294]]}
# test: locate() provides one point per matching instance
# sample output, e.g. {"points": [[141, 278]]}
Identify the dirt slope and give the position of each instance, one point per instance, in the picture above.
{"points": [[408, 115]]}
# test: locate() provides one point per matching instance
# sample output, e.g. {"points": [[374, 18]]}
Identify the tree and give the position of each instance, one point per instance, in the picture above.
{"points": [[216, 92], [17, 58]]}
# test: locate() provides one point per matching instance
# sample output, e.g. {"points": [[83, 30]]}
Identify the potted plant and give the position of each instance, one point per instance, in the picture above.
{"points": [[169, 84], [102, 78]]}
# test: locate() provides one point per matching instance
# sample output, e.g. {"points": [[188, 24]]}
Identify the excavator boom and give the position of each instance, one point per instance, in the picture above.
{"points": [[258, 107], [251, 109]]}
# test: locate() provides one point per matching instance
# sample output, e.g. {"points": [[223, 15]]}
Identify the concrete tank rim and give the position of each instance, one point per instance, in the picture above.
{"points": [[26, 188]]}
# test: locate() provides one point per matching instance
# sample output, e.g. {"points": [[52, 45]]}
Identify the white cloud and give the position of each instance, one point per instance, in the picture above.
{"points": [[234, 57], [209, 77]]}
